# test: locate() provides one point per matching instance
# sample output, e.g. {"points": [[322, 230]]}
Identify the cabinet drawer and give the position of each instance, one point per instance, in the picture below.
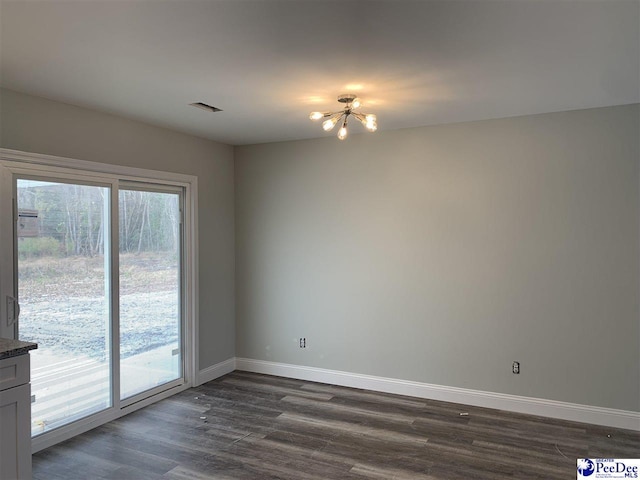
{"points": [[14, 371]]}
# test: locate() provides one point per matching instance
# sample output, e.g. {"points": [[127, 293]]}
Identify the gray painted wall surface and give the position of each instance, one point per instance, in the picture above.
{"points": [[37, 125], [437, 254], [441, 254]]}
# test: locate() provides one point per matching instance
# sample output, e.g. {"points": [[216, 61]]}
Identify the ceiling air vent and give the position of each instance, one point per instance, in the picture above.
{"points": [[206, 107]]}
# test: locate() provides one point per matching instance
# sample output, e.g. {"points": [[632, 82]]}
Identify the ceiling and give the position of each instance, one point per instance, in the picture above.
{"points": [[268, 63]]}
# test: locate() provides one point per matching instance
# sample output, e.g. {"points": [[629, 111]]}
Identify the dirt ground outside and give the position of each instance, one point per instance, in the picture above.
{"points": [[65, 310]]}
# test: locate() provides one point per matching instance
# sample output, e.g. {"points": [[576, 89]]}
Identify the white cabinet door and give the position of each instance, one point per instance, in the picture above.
{"points": [[15, 439]]}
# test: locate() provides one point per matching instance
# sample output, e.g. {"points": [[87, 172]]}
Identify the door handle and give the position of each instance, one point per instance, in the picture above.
{"points": [[13, 310]]}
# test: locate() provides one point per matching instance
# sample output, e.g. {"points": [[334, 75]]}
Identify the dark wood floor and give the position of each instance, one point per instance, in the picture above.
{"points": [[247, 426]]}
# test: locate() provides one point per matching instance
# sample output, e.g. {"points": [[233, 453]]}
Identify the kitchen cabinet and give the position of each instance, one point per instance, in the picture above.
{"points": [[15, 410]]}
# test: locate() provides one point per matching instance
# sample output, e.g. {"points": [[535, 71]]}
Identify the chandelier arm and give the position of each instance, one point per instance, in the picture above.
{"points": [[331, 114]]}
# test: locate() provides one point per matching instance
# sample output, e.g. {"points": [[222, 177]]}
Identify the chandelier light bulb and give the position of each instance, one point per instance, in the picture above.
{"points": [[342, 133], [316, 115], [370, 122], [356, 103], [329, 124]]}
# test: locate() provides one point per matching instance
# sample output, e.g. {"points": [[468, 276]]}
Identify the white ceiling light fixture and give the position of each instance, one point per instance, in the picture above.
{"points": [[351, 102]]}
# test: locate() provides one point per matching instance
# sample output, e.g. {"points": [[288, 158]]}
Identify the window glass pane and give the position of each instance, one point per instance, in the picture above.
{"points": [[63, 289], [150, 306]]}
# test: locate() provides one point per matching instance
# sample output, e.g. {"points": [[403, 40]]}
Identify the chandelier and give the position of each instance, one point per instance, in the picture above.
{"points": [[333, 118]]}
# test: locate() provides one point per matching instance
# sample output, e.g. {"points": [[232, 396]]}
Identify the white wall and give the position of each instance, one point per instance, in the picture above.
{"points": [[441, 254], [37, 125]]}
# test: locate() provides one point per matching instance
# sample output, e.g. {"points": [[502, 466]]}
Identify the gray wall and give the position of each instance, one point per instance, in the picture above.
{"points": [[437, 254], [34, 124], [441, 254]]}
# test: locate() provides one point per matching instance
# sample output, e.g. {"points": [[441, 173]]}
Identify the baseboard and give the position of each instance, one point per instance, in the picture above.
{"points": [[215, 371], [534, 406]]}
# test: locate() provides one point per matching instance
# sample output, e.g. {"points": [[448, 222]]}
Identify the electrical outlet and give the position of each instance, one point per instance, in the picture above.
{"points": [[515, 368], [303, 342]]}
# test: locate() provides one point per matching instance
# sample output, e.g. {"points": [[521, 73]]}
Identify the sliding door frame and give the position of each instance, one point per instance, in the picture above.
{"points": [[14, 163]]}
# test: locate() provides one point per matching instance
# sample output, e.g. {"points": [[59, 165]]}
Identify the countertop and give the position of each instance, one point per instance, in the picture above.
{"points": [[13, 348]]}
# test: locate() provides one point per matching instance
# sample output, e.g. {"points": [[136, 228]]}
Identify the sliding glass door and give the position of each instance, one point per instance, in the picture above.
{"points": [[98, 272], [63, 258], [150, 289]]}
